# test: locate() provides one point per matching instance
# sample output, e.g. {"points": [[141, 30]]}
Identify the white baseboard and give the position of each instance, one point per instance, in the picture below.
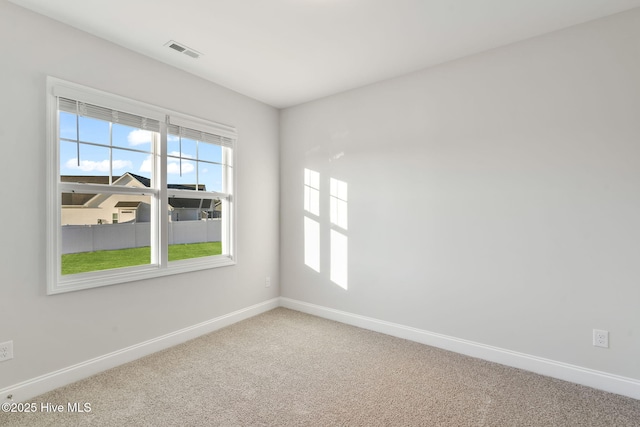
{"points": [[28, 389], [596, 379], [600, 380]]}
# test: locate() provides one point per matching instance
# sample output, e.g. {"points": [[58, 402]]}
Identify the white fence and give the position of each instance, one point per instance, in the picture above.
{"points": [[104, 237]]}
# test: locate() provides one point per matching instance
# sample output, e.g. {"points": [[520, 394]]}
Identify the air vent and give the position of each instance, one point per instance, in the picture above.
{"points": [[177, 47], [183, 49]]}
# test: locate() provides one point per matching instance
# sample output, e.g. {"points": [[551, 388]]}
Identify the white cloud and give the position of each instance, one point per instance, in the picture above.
{"points": [[146, 165], [101, 166], [139, 137], [174, 168], [172, 138], [122, 164]]}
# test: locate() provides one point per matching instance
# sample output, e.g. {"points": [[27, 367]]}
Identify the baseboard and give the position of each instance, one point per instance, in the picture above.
{"points": [[596, 379], [551, 368], [28, 389]]}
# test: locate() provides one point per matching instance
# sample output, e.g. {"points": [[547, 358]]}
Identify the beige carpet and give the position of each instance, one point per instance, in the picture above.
{"points": [[285, 368]]}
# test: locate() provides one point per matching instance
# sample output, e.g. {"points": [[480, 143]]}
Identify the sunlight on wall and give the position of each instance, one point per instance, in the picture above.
{"points": [[312, 192], [339, 241], [311, 226], [339, 250], [338, 202], [312, 244], [338, 218]]}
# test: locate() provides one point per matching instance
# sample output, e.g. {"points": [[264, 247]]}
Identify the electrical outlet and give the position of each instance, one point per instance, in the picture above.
{"points": [[6, 351], [267, 282], [600, 338]]}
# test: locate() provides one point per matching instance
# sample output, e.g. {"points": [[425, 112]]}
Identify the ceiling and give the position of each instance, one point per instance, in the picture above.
{"points": [[286, 52]]}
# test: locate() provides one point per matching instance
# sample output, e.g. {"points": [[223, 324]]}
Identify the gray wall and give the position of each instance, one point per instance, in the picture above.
{"points": [[54, 332], [494, 198]]}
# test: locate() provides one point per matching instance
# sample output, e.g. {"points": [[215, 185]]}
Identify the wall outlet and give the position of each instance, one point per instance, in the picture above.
{"points": [[6, 351], [267, 282], [600, 338]]}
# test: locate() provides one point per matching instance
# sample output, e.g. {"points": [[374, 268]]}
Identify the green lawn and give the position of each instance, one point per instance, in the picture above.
{"points": [[103, 260]]}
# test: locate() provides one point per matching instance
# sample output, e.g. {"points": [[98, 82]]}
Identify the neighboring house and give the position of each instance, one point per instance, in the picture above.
{"points": [[85, 209]]}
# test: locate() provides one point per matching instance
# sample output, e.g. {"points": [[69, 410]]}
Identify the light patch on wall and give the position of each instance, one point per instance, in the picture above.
{"points": [[339, 259], [312, 192], [312, 244], [338, 203], [311, 226], [338, 216]]}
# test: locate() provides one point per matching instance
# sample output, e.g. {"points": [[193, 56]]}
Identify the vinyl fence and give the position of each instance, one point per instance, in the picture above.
{"points": [[89, 238]]}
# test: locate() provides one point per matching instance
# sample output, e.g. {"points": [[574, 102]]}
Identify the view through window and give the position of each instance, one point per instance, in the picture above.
{"points": [[134, 191]]}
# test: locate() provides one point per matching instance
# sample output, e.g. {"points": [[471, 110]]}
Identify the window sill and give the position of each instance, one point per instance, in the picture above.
{"points": [[100, 278]]}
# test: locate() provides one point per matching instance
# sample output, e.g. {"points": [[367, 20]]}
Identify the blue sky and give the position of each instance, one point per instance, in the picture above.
{"points": [[95, 160]]}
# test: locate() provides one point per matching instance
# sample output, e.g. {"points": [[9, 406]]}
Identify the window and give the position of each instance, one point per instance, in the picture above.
{"points": [[135, 191]]}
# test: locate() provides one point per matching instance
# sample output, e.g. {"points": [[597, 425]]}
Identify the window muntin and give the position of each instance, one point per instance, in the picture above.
{"points": [[106, 175]]}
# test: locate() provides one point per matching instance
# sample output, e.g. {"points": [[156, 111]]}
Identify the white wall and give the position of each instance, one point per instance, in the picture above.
{"points": [[53, 332], [509, 183]]}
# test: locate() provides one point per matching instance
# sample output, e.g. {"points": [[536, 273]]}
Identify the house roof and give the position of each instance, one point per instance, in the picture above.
{"points": [[86, 179], [182, 203], [81, 199], [76, 199], [147, 183], [104, 179]]}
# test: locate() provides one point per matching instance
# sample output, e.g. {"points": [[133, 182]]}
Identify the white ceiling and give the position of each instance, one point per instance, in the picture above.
{"points": [[285, 52]]}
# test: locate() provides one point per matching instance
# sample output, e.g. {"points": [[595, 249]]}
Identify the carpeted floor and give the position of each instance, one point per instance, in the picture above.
{"points": [[285, 368]]}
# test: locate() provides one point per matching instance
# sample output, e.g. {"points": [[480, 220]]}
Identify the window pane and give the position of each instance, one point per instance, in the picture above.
{"points": [[185, 147], [68, 128], [209, 152], [104, 231], [94, 130], [173, 145], [189, 148], [131, 169], [195, 228], [127, 136], [94, 162], [181, 173], [210, 175]]}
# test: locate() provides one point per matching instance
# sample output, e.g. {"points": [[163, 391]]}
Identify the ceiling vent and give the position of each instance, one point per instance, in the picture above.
{"points": [[183, 49]]}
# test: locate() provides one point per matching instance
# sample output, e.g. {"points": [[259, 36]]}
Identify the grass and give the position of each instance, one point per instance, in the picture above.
{"points": [[104, 260]]}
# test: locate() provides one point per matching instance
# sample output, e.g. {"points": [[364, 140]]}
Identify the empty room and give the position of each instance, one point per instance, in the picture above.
{"points": [[320, 212]]}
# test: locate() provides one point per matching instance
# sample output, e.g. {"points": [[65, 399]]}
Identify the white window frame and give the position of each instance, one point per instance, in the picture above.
{"points": [[159, 266]]}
